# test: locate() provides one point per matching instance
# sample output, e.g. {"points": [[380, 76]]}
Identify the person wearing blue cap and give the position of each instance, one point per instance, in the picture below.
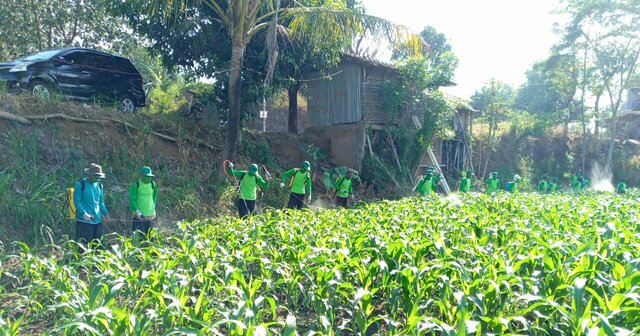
{"points": [[143, 197]]}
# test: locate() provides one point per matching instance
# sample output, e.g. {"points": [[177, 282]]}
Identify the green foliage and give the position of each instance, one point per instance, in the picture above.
{"points": [[314, 153], [260, 152], [46, 24], [550, 88], [494, 96], [415, 92], [33, 201], [168, 97], [474, 264]]}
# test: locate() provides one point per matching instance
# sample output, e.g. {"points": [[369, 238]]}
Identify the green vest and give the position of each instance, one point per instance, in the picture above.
{"points": [[343, 187], [493, 184], [425, 187], [145, 200], [543, 185], [299, 182], [465, 185]]}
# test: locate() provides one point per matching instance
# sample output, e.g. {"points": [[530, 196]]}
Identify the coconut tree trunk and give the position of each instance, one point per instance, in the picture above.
{"points": [[292, 92], [235, 81]]}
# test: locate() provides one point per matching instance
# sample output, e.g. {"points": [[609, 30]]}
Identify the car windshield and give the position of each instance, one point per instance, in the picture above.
{"points": [[38, 56]]}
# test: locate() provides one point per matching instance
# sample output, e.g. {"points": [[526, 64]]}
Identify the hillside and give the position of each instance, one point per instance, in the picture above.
{"points": [[42, 156]]}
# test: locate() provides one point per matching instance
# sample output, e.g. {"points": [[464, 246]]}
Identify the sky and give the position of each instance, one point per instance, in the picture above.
{"points": [[498, 39]]}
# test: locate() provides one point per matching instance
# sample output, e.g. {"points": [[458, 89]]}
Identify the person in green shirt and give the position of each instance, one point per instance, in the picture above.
{"points": [[248, 183], [465, 183], [425, 184], [512, 186], [344, 189], [544, 184], [143, 196], [493, 183], [576, 185], [299, 185], [553, 185], [621, 188]]}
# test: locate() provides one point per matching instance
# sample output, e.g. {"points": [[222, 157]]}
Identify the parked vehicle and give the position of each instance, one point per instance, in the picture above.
{"points": [[77, 73]]}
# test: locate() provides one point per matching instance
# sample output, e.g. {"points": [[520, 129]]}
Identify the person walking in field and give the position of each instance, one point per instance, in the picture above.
{"points": [[493, 183], [544, 184], [553, 185], [621, 188], [344, 189], [248, 183], [425, 184], [88, 200], [576, 184], [512, 186], [299, 181], [466, 182], [143, 197]]}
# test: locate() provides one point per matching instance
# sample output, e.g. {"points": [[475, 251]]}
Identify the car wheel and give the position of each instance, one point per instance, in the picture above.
{"points": [[41, 89], [127, 105]]}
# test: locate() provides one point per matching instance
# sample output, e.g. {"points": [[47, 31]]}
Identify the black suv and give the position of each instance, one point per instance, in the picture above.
{"points": [[77, 73]]}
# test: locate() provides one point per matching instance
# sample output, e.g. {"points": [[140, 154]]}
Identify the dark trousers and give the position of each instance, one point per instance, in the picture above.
{"points": [[87, 233], [143, 225], [296, 201], [341, 202], [245, 208]]}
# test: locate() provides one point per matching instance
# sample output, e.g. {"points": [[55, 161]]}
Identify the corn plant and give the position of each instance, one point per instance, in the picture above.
{"points": [[503, 264]]}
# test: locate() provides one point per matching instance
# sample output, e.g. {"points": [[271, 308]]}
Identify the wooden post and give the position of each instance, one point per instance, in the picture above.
{"points": [[393, 150]]}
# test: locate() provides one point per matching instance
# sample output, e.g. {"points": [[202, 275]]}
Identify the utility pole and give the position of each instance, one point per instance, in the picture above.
{"points": [[263, 114]]}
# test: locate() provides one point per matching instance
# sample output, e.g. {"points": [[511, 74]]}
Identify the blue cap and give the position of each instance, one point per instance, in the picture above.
{"points": [[253, 168], [146, 171]]}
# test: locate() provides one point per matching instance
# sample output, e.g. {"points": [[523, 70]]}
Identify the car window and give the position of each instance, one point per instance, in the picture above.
{"points": [[78, 58], [125, 65], [101, 62], [39, 56]]}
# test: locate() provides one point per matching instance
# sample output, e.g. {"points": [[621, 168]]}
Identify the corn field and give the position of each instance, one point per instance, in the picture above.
{"points": [[521, 264]]}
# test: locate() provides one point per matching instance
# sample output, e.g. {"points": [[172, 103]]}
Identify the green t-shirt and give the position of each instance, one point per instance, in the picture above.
{"points": [[543, 185], [425, 187], [249, 184], [300, 182], [621, 188], [465, 185], [343, 187], [575, 184], [143, 197], [493, 184]]}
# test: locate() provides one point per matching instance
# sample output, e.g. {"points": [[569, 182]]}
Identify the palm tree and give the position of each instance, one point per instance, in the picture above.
{"points": [[243, 19]]}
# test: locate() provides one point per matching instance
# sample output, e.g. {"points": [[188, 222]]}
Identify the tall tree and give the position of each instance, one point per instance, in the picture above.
{"points": [[299, 56], [494, 101], [243, 20], [550, 90], [611, 28], [32, 25], [437, 46]]}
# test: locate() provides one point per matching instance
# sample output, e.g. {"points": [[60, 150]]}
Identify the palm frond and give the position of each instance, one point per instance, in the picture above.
{"points": [[272, 44], [322, 24]]}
